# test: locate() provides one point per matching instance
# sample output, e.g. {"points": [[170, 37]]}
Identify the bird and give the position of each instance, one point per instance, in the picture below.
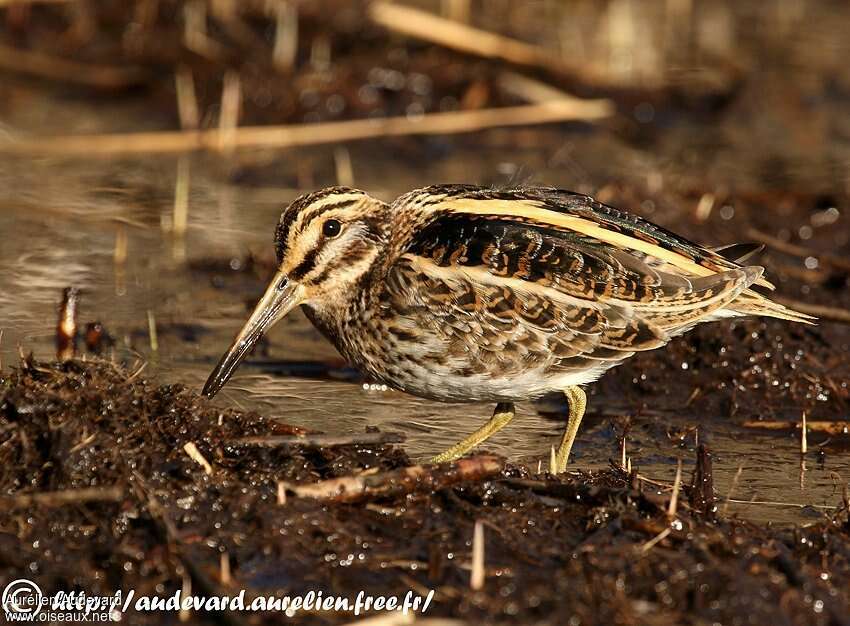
{"points": [[464, 293]]}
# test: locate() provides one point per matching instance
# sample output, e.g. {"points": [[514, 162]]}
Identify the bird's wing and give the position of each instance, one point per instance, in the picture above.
{"points": [[592, 282]]}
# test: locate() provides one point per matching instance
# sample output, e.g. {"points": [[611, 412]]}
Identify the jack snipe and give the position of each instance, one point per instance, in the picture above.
{"points": [[462, 293]]}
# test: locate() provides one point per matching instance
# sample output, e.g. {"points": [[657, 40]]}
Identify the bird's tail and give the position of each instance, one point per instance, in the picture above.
{"points": [[753, 303]]}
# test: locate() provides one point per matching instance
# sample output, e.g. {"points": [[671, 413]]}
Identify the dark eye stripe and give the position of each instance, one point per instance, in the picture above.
{"points": [[306, 266]]}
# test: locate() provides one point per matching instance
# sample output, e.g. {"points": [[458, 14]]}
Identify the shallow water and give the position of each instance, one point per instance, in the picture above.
{"points": [[60, 220]]}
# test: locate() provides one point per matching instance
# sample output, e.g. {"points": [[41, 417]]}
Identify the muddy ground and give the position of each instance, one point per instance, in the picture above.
{"points": [[585, 548]]}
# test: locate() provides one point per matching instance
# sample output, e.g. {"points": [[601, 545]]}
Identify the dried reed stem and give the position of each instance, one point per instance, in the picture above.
{"points": [[119, 254], [154, 342], [66, 326], [457, 36], [287, 136], [476, 579], [674, 496], [66, 496], [224, 569], [187, 100], [231, 98], [286, 36], [344, 169], [180, 220]]}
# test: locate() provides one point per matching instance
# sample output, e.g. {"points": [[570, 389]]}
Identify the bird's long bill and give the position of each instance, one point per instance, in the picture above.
{"points": [[280, 298]]}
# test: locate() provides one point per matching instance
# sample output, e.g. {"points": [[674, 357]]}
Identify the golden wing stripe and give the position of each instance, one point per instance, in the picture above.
{"points": [[532, 210]]}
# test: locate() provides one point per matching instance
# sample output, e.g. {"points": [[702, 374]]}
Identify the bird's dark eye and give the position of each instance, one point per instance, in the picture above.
{"points": [[331, 228]]}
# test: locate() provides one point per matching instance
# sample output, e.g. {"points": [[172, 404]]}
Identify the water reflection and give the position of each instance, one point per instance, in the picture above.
{"points": [[65, 232]]}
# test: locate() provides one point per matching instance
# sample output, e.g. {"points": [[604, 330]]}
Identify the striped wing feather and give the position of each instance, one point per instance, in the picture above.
{"points": [[600, 286]]}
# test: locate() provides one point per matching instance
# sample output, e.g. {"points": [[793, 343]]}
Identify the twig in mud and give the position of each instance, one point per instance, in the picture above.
{"points": [[292, 135], [674, 496], [224, 575], [553, 461], [66, 327], [320, 441], [838, 427], [186, 591], [623, 452], [804, 440], [438, 30], [702, 488], [66, 496], [192, 450], [281, 492], [732, 488], [779, 245], [400, 481], [798, 505], [43, 65], [649, 545], [476, 578]]}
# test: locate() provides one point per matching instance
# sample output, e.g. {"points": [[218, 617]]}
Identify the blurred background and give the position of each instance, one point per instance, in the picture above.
{"points": [[147, 148]]}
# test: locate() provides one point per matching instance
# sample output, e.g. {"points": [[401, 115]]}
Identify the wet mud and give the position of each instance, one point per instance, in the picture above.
{"points": [[598, 547]]}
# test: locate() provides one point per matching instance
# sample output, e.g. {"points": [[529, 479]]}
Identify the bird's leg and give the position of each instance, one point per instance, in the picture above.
{"points": [[503, 414], [577, 401]]}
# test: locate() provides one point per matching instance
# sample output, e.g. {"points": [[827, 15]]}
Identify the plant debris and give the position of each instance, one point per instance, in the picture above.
{"points": [[99, 494]]}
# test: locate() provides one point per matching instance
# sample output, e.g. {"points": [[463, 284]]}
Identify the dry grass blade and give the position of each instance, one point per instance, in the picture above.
{"points": [[50, 67], [400, 481], [287, 136], [674, 496]]}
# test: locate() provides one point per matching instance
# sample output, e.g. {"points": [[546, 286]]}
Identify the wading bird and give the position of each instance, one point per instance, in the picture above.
{"points": [[467, 294]]}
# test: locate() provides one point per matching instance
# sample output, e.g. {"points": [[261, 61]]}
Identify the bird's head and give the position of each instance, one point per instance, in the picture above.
{"points": [[325, 242]]}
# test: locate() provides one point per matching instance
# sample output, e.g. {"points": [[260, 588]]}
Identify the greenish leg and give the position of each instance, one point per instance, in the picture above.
{"points": [[577, 401], [503, 414]]}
